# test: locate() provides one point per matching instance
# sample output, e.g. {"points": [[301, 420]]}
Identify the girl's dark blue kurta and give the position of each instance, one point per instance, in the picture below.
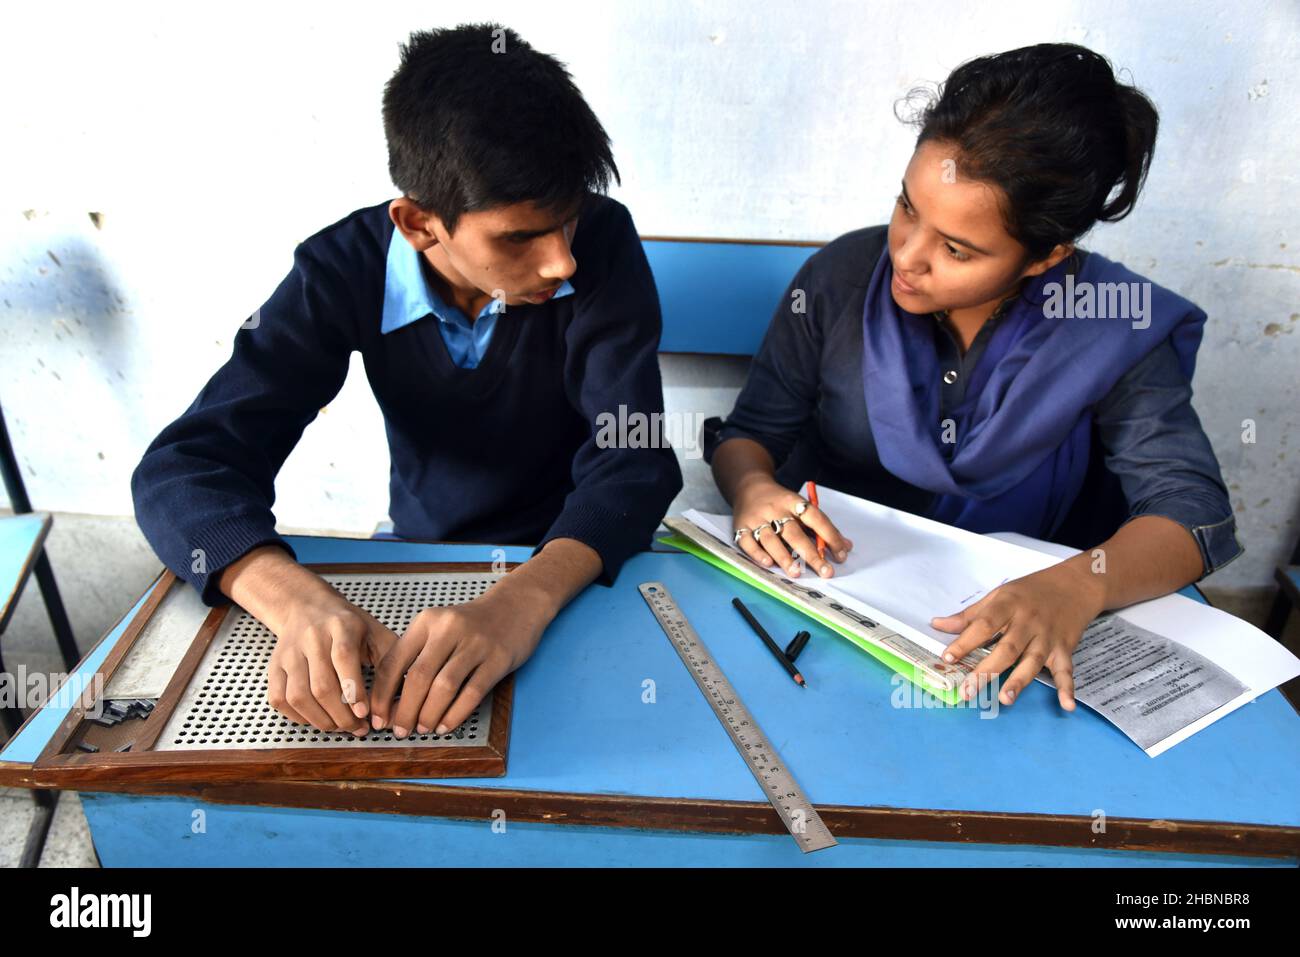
{"points": [[805, 402]]}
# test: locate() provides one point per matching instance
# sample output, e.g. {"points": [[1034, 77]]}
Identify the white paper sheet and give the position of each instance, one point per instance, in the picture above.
{"points": [[1254, 658], [909, 568], [1189, 664]]}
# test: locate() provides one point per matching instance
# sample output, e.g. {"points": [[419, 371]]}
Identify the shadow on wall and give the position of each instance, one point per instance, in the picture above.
{"points": [[66, 345]]}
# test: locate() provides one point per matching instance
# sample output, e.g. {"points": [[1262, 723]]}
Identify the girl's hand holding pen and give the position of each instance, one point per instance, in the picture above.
{"points": [[784, 520]]}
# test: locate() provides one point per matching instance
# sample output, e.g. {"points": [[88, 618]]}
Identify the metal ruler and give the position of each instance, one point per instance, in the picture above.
{"points": [[801, 818]]}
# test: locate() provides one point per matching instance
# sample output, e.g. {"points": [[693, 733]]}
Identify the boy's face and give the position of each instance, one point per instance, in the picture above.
{"points": [[519, 253]]}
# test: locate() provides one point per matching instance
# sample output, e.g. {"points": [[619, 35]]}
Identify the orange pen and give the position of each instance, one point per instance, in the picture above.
{"points": [[812, 497]]}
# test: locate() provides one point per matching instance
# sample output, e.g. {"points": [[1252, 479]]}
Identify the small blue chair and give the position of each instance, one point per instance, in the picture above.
{"points": [[22, 551]]}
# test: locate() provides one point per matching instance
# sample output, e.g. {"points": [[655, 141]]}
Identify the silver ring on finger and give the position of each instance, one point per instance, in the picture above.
{"points": [[780, 523], [758, 530], [740, 533], [801, 507]]}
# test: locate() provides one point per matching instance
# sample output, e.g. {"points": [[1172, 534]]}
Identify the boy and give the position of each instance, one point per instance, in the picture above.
{"points": [[501, 305]]}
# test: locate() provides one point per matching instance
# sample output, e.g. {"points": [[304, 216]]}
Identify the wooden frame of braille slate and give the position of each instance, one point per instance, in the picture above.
{"points": [[194, 699]]}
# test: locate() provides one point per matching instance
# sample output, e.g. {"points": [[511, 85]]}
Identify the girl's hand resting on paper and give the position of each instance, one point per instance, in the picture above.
{"points": [[760, 501], [1038, 620]]}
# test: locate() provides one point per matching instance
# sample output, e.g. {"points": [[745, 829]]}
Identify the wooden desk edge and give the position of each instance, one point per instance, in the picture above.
{"points": [[720, 817]]}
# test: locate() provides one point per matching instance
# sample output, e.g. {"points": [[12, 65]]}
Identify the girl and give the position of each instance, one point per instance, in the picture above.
{"points": [[971, 364]]}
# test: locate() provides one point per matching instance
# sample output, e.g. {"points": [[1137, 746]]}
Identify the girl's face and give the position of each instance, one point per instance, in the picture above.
{"points": [[947, 242]]}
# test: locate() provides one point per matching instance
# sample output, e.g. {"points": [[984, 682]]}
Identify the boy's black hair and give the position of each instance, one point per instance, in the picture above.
{"points": [[1052, 127], [476, 118]]}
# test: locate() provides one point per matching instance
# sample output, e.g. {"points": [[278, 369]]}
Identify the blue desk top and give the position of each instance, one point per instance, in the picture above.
{"points": [[581, 724], [21, 537]]}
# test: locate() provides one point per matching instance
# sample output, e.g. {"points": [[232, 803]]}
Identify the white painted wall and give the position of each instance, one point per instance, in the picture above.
{"points": [[213, 139]]}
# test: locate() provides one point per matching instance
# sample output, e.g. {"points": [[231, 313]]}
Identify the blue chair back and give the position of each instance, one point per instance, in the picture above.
{"points": [[718, 295]]}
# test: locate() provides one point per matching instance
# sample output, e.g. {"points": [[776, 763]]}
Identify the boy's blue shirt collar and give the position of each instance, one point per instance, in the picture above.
{"points": [[408, 298]]}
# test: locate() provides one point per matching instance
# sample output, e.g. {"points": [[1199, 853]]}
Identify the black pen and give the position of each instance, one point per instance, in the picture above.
{"points": [[767, 640]]}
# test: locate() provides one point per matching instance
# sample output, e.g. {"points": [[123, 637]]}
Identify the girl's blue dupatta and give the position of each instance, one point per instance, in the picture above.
{"points": [[1023, 430]]}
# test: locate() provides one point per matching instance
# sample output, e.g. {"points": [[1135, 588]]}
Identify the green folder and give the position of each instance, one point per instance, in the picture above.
{"points": [[888, 659]]}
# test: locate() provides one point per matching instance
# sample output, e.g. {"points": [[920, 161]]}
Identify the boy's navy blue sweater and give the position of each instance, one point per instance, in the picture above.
{"points": [[504, 453]]}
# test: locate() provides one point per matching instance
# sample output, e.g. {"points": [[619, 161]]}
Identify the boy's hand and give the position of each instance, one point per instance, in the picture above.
{"points": [[315, 673], [450, 658], [322, 639]]}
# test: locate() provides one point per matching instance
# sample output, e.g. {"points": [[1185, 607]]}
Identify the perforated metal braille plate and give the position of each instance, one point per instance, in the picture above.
{"points": [[225, 705]]}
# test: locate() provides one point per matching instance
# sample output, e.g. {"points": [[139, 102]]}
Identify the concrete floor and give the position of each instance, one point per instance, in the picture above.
{"points": [[102, 566], [67, 843]]}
